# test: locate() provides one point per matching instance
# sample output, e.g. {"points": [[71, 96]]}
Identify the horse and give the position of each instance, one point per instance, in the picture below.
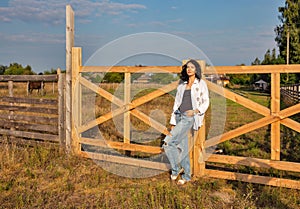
{"points": [[39, 85]]}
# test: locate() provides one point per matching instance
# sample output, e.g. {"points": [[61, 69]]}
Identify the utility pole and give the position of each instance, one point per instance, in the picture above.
{"points": [[287, 50], [288, 45]]}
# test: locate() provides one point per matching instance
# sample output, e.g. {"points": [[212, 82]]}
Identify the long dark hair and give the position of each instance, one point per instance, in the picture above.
{"points": [[184, 76]]}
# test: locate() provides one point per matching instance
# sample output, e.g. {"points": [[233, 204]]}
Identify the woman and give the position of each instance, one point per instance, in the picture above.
{"points": [[191, 102]]}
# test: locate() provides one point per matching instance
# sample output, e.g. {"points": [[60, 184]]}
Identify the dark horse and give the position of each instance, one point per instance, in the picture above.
{"points": [[39, 85]]}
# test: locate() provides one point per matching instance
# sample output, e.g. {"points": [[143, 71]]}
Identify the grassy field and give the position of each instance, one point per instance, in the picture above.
{"points": [[44, 176]]}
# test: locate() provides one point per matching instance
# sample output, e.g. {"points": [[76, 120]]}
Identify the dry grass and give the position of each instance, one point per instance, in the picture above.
{"points": [[45, 177], [20, 90]]}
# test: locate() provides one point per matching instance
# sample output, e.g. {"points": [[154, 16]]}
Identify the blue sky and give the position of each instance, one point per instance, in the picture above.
{"points": [[32, 32]]}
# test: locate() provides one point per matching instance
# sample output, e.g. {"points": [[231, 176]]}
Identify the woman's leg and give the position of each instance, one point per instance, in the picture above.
{"points": [[176, 146], [172, 152], [185, 158]]}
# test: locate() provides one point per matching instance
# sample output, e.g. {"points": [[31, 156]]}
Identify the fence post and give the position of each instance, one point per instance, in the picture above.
{"points": [[199, 150], [275, 108], [127, 98], [10, 88], [68, 98], [76, 98], [11, 112], [61, 108]]}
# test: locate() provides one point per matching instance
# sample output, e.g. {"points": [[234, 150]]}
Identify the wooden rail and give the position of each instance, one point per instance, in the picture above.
{"points": [[33, 118], [25, 78], [273, 116], [18, 118], [291, 91]]}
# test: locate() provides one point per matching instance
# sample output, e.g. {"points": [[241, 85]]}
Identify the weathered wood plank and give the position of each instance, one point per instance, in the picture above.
{"points": [[61, 108], [29, 109], [26, 127], [29, 118], [29, 100], [25, 78], [30, 135], [70, 37]]}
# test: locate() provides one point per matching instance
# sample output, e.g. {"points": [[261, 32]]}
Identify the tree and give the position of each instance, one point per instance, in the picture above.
{"points": [[163, 78], [17, 69], [290, 26], [2, 69], [113, 77], [256, 62], [270, 58]]}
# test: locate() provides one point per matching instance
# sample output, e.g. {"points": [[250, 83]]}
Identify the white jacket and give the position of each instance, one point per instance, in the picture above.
{"points": [[200, 101]]}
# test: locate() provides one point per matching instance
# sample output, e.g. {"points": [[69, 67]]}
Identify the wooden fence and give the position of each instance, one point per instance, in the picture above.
{"points": [[291, 92], [273, 116], [38, 119]]}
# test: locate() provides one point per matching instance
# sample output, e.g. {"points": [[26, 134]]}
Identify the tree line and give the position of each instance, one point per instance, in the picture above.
{"points": [[287, 39], [18, 69]]}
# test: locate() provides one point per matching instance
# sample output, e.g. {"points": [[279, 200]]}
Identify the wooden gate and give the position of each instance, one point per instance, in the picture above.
{"points": [[273, 116], [127, 108]]}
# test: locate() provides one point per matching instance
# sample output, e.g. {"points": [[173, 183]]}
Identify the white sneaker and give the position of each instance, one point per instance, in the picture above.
{"points": [[174, 177], [181, 182]]}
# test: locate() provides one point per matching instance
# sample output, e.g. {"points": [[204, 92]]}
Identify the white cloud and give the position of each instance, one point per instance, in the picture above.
{"points": [[53, 11], [44, 38]]}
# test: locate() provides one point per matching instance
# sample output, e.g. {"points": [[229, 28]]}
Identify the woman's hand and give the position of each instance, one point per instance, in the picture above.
{"points": [[190, 113]]}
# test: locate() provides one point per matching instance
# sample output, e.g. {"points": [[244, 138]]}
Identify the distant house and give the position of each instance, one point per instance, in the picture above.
{"points": [[145, 78], [220, 79], [260, 85], [223, 80]]}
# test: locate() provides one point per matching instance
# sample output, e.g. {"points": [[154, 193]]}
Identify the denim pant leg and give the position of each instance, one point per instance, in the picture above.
{"points": [[185, 158], [172, 154], [176, 147]]}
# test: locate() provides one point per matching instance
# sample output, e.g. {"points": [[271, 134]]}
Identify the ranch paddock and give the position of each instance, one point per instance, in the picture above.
{"points": [[251, 148]]}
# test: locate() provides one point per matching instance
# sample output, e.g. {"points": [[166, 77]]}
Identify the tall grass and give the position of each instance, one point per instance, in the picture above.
{"points": [[45, 177]]}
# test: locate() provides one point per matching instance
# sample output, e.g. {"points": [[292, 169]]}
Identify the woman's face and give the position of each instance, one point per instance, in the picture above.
{"points": [[191, 69]]}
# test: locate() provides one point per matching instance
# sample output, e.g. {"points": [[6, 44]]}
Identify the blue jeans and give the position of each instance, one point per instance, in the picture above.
{"points": [[177, 148]]}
